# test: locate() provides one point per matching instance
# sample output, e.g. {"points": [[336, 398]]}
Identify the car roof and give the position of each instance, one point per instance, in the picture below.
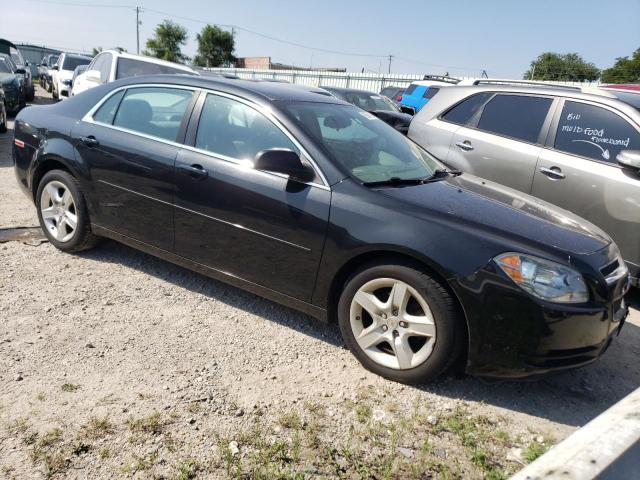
{"points": [[272, 91], [144, 58], [591, 94]]}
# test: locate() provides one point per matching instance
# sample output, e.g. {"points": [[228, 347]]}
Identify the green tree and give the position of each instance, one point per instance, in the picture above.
{"points": [[166, 42], [215, 47], [625, 70], [568, 67], [96, 51]]}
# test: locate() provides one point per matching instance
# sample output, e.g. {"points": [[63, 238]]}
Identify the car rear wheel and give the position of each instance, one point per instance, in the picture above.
{"points": [[62, 212], [400, 323]]}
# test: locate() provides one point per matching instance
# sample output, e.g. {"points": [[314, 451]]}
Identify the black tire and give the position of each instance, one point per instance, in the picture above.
{"points": [[83, 238], [32, 94], [446, 314], [3, 119]]}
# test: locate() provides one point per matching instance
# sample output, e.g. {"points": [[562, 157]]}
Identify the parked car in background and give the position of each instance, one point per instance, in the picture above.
{"points": [[314, 203], [377, 105], [580, 151], [62, 74], [8, 48], [12, 80], [420, 92], [80, 69], [633, 87], [111, 65], [44, 70], [3, 112], [393, 93]]}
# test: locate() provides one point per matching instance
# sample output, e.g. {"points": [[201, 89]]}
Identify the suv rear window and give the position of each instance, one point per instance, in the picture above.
{"points": [[411, 89], [517, 116], [430, 93], [128, 67], [464, 111]]}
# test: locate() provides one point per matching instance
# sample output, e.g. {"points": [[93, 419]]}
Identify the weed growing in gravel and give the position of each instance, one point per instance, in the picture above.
{"points": [[364, 412], [290, 420], [187, 470], [40, 397], [96, 428], [79, 447], [534, 450], [70, 387], [105, 453], [152, 424], [18, 426]]}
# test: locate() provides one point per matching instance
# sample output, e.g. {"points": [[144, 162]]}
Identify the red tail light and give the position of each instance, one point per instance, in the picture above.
{"points": [[398, 98]]}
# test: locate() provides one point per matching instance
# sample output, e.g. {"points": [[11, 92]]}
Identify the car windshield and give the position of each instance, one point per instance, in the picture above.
{"points": [[16, 57], [370, 101], [52, 60], [4, 66], [70, 63], [369, 149]]}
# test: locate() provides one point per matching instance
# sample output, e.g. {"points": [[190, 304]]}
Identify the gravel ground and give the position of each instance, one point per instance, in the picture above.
{"points": [[117, 364]]}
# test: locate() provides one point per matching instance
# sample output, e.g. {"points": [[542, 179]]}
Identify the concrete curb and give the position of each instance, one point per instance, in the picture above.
{"points": [[608, 447]]}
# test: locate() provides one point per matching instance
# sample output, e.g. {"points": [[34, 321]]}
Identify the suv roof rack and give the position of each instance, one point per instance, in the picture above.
{"points": [[506, 81], [441, 78]]}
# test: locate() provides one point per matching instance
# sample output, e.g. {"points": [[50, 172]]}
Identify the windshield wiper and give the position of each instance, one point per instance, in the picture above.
{"points": [[438, 174]]}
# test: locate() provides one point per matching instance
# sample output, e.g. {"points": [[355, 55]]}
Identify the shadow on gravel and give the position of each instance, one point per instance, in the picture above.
{"points": [[572, 398]]}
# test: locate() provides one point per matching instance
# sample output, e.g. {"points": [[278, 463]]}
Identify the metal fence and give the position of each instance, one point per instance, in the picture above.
{"points": [[364, 81]]}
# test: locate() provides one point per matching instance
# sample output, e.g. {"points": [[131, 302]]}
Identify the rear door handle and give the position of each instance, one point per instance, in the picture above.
{"points": [[195, 170], [90, 141], [554, 173], [466, 145]]}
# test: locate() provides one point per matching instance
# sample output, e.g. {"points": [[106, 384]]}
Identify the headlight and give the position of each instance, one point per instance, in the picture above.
{"points": [[544, 279], [66, 82]]}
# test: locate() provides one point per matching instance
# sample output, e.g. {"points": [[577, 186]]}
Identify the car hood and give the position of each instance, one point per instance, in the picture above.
{"points": [[7, 77], [65, 74], [484, 204]]}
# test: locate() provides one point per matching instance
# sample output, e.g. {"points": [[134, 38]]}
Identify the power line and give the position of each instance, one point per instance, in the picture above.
{"points": [[80, 4]]}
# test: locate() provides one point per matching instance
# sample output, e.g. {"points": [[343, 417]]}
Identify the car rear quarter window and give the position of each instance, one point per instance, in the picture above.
{"points": [[516, 116], [129, 67], [232, 129], [430, 93], [107, 110], [155, 111], [410, 89], [594, 132], [463, 112]]}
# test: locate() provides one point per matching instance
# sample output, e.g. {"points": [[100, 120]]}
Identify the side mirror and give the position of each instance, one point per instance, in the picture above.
{"points": [[92, 76], [629, 159], [281, 160], [21, 71]]}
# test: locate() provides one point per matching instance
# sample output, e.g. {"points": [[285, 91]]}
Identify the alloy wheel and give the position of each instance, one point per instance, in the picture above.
{"points": [[392, 323], [58, 210]]}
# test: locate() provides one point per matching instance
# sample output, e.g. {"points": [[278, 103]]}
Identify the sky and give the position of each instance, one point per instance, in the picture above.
{"points": [[461, 37]]}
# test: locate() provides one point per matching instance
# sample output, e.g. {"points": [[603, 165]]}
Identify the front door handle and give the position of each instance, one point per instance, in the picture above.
{"points": [[466, 145], [90, 141], [195, 170], [553, 173]]}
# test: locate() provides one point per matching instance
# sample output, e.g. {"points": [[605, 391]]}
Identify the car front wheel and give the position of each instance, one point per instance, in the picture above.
{"points": [[62, 212], [400, 323]]}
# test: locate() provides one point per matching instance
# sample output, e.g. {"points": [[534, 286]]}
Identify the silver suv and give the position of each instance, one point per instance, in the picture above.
{"points": [[577, 150]]}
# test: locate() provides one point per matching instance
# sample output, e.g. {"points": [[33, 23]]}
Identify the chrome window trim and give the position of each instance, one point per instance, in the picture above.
{"points": [[88, 118]]}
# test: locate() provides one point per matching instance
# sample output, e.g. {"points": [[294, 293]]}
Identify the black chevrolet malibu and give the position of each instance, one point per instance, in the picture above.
{"points": [[316, 204]]}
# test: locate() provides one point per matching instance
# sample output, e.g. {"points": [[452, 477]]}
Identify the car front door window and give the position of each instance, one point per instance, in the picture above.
{"points": [[594, 132]]}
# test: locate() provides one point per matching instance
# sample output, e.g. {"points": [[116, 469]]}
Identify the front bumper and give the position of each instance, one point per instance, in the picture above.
{"points": [[514, 335]]}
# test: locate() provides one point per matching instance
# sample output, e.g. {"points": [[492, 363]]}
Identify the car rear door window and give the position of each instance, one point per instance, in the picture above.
{"points": [[155, 111], [463, 112], [516, 116], [233, 129], [594, 132], [107, 110]]}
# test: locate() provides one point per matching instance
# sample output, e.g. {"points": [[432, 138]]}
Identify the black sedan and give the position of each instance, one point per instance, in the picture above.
{"points": [[316, 204], [12, 81], [377, 105]]}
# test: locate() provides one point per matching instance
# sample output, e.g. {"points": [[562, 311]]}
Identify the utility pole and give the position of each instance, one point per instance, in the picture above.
{"points": [[390, 58], [138, 30], [533, 71]]}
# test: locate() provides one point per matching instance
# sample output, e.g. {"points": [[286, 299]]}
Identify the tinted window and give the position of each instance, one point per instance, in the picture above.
{"points": [[594, 132], [411, 89], [464, 111], [5, 66], [108, 109], [235, 130], [71, 62], [128, 67], [430, 92], [515, 116], [630, 98], [155, 111]]}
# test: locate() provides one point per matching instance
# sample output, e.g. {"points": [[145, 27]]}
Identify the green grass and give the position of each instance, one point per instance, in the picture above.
{"points": [[70, 387]]}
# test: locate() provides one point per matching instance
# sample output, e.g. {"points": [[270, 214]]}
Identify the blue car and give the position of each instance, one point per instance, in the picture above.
{"points": [[419, 93]]}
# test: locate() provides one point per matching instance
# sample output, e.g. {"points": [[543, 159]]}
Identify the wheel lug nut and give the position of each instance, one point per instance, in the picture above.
{"points": [[404, 324], [395, 313], [384, 315], [384, 328]]}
